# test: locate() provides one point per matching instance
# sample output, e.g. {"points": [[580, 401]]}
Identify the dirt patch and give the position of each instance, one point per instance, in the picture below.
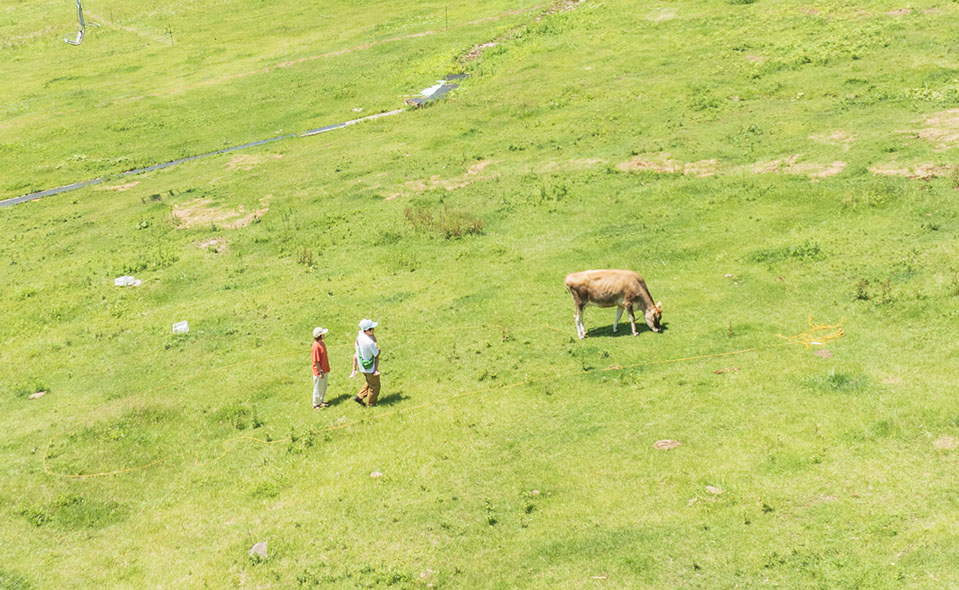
{"points": [[921, 171], [215, 245], [756, 59], [840, 138], [477, 51], [946, 443], [892, 380], [471, 175], [942, 129], [809, 10], [823, 354], [900, 12], [661, 15], [574, 164], [200, 213], [248, 161], [120, 187], [792, 165], [666, 444], [662, 163]]}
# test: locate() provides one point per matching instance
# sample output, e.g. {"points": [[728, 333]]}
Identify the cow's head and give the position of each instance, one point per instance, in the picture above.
{"points": [[653, 317]]}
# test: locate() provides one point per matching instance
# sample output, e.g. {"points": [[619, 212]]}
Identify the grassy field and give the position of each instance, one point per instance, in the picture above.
{"points": [[758, 162]]}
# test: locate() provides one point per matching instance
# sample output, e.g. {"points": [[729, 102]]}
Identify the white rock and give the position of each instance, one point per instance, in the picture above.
{"points": [[259, 549]]}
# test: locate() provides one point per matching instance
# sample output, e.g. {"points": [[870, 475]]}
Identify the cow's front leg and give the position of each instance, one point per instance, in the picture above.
{"points": [[619, 314], [578, 320], [632, 320]]}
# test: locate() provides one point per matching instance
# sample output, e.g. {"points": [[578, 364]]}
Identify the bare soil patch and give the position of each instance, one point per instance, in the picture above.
{"points": [[942, 129], [662, 163], [666, 444], [661, 14], [946, 443], [574, 164], [839, 137], [215, 245], [471, 175], [899, 12], [248, 161], [119, 187], [201, 213], [792, 165], [922, 171]]}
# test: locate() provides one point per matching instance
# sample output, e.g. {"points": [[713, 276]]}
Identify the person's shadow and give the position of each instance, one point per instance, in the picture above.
{"points": [[388, 400], [391, 399]]}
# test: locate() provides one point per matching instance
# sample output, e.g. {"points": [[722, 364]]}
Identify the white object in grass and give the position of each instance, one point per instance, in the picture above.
{"points": [[181, 327]]}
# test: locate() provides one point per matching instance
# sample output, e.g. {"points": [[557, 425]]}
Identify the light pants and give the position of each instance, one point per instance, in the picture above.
{"points": [[319, 388]]}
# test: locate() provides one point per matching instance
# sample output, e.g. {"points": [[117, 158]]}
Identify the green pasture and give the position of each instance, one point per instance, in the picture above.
{"points": [[759, 163]]}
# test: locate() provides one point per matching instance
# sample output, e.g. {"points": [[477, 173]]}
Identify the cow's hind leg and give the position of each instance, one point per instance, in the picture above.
{"points": [[619, 314], [632, 319]]}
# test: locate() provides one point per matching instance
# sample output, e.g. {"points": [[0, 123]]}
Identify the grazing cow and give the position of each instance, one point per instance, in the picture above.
{"points": [[613, 288]]}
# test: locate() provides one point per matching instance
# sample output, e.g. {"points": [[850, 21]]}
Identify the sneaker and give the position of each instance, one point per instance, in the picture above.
{"points": [[359, 401]]}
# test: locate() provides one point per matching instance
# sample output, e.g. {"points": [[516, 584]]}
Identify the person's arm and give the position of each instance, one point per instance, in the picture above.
{"points": [[353, 371]]}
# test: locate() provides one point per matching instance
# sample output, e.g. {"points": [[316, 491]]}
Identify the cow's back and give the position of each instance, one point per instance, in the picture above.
{"points": [[605, 287]]}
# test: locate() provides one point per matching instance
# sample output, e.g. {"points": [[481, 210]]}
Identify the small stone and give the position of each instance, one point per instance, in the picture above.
{"points": [[376, 474], [823, 353], [259, 550], [714, 490], [37, 395], [666, 444], [534, 493]]}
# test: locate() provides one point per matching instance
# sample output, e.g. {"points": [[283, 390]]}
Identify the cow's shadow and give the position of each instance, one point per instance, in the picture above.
{"points": [[624, 330]]}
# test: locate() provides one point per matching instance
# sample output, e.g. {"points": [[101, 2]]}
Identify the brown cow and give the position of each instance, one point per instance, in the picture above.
{"points": [[613, 288]]}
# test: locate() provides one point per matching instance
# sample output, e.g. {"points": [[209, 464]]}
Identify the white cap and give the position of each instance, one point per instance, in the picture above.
{"points": [[367, 325], [317, 332]]}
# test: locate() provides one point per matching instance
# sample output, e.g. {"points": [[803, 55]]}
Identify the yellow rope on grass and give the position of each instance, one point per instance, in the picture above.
{"points": [[817, 334]]}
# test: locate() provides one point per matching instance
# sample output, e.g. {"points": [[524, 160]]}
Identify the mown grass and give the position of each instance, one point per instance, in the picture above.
{"points": [[513, 455]]}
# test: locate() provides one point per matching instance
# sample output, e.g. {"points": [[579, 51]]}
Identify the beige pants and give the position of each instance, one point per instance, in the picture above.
{"points": [[371, 389], [319, 388]]}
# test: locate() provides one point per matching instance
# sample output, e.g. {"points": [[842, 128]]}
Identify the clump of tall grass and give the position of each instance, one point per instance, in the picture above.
{"points": [[449, 223]]}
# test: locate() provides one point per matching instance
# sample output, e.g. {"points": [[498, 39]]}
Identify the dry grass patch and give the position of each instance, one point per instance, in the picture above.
{"points": [[942, 129], [661, 14], [200, 213], [923, 171], [839, 137], [946, 443], [471, 175], [119, 187], [574, 164], [248, 161], [662, 163], [214, 245], [792, 165]]}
